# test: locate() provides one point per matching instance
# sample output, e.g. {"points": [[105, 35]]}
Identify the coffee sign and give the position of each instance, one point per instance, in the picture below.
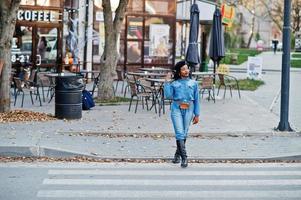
{"points": [[36, 15]]}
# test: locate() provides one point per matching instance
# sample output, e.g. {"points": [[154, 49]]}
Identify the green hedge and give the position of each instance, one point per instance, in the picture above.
{"points": [[242, 55], [249, 84], [296, 63], [296, 55], [246, 84]]}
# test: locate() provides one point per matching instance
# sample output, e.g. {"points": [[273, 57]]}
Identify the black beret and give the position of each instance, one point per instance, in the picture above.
{"points": [[179, 65]]}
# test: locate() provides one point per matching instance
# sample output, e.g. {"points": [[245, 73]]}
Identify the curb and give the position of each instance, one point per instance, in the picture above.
{"points": [[42, 152], [36, 151], [192, 135]]}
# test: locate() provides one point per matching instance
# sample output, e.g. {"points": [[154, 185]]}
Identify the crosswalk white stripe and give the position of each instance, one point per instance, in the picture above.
{"points": [[107, 194], [173, 173], [163, 182], [93, 165]]}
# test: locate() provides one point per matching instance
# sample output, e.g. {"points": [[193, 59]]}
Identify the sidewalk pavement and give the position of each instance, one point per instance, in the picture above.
{"points": [[271, 62], [231, 128]]}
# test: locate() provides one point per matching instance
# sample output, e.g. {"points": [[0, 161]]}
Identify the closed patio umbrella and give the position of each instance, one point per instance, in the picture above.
{"points": [[217, 46], [192, 54]]}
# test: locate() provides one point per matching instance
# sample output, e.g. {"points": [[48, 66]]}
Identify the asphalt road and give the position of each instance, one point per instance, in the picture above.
{"points": [[30, 181]]}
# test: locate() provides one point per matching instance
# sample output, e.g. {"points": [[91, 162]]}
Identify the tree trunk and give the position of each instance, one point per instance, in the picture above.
{"points": [[252, 31], [109, 62], [8, 13], [110, 56]]}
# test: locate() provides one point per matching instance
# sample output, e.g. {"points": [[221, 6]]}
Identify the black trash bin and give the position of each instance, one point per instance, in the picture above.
{"points": [[68, 97]]}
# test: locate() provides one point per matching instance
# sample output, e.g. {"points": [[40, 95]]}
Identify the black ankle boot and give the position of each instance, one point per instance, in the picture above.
{"points": [[184, 162], [177, 157]]}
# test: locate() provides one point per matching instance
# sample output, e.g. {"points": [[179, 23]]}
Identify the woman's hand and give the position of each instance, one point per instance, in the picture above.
{"points": [[195, 120], [168, 76]]}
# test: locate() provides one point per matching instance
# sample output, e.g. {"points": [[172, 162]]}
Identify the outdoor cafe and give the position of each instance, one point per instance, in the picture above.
{"points": [[143, 79]]}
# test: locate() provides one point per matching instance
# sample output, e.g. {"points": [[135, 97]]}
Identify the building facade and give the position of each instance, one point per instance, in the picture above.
{"points": [[47, 34], [61, 34], [147, 37], [263, 26]]}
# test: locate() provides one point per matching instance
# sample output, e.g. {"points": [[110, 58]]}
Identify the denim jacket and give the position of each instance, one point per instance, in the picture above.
{"points": [[183, 90]]}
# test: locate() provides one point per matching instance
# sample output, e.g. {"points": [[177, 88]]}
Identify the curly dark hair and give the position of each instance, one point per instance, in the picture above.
{"points": [[177, 69]]}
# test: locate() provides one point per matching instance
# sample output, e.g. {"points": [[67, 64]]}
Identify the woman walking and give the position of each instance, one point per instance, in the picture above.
{"points": [[185, 107]]}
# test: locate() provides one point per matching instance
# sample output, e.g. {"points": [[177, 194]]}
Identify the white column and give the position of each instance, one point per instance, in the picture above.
{"points": [[90, 35], [81, 30]]}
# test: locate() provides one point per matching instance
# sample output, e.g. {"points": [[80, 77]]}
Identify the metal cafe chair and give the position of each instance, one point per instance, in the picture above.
{"points": [[128, 77], [20, 88], [228, 81], [140, 92], [146, 86], [207, 85], [12, 82], [157, 85], [32, 84], [96, 83], [45, 82], [120, 78], [163, 101]]}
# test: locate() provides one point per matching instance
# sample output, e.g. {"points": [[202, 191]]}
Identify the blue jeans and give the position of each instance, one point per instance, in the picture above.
{"points": [[181, 119]]}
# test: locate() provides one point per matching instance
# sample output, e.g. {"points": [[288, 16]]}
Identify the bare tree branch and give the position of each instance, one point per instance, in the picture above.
{"points": [[275, 12], [120, 12]]}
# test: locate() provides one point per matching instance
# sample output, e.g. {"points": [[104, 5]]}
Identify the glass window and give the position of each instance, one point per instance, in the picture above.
{"points": [[21, 50], [149, 21], [27, 2], [121, 52], [98, 41], [133, 52], [54, 3], [158, 20], [47, 45], [158, 42], [135, 28], [160, 6], [71, 4], [180, 39]]}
